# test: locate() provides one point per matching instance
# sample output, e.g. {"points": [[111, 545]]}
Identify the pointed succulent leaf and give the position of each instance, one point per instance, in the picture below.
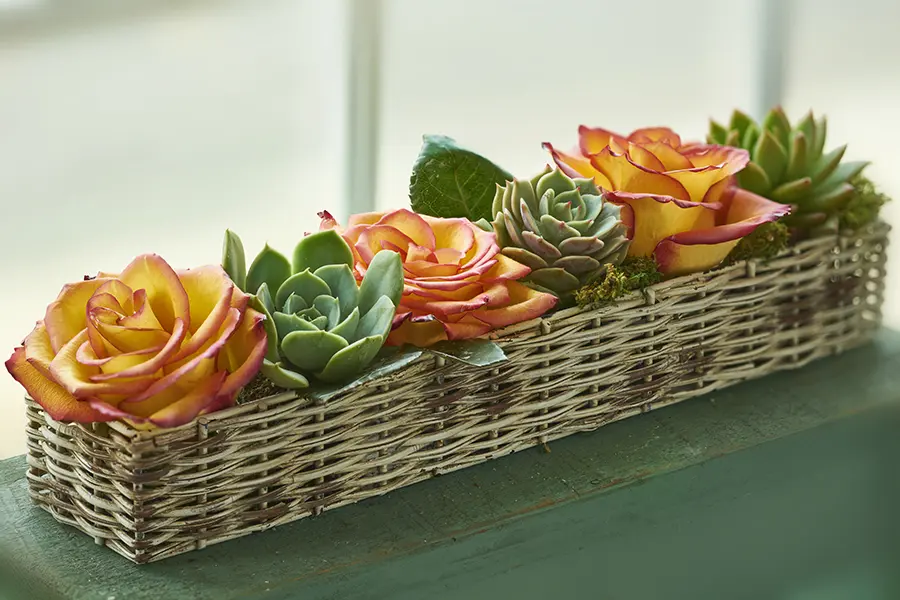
{"points": [[304, 284], [555, 180], [388, 360], [828, 164], [349, 361], [320, 322], [294, 304], [282, 376], [384, 277], [821, 135], [778, 124], [526, 257], [739, 122], [771, 156], [342, 284], [311, 350], [534, 180], [329, 307], [844, 173], [555, 231], [578, 265], [497, 202], [555, 279], [834, 199], [604, 225], [798, 155], [540, 246], [581, 246], [378, 320], [269, 267], [587, 187], [750, 137], [527, 218], [484, 225], [258, 305], [320, 249], [511, 228], [349, 327], [733, 139], [265, 297], [285, 324], [807, 126], [522, 191], [792, 190], [233, 259], [717, 133], [753, 178]]}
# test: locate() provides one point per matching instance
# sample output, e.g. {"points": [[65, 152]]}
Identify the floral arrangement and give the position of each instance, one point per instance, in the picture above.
{"points": [[477, 250]]}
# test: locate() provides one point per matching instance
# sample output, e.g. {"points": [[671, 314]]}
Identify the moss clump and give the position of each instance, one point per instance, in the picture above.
{"points": [[864, 206], [635, 273], [765, 243], [258, 388]]}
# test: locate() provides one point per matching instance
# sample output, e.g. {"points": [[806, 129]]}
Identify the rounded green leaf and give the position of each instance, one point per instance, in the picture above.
{"points": [[771, 156], [752, 178], [269, 267], [304, 284], [283, 377], [233, 260], [288, 323], [378, 320], [265, 296], [311, 350], [328, 307], [348, 328], [351, 360], [320, 249], [384, 277], [294, 304], [343, 286]]}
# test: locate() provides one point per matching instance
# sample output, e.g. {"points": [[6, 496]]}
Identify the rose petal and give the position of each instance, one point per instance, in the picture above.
{"points": [[411, 224], [623, 174], [655, 134], [451, 235], [66, 316], [76, 377], [211, 295], [524, 304], [126, 366], [591, 140], [243, 354], [59, 404], [577, 166], [166, 295], [652, 218]]}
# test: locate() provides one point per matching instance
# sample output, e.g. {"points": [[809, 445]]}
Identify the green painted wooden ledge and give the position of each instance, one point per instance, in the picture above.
{"points": [[782, 488]]}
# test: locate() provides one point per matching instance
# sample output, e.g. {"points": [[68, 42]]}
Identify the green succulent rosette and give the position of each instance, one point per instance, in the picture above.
{"points": [[789, 164], [320, 323], [560, 227]]}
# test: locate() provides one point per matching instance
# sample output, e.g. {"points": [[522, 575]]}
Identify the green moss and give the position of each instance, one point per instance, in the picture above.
{"points": [[635, 273], [864, 206], [765, 243], [258, 388]]}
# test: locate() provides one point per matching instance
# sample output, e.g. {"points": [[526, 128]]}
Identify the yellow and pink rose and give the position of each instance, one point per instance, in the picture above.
{"points": [[679, 200]]}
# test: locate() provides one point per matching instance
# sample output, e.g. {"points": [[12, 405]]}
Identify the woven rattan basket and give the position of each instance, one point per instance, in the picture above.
{"points": [[152, 495]]}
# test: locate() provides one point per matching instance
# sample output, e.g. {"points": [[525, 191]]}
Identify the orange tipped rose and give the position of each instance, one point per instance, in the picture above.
{"points": [[151, 345], [682, 204], [457, 284]]}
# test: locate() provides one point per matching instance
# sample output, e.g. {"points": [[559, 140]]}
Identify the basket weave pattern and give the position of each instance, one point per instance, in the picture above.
{"points": [[151, 495]]}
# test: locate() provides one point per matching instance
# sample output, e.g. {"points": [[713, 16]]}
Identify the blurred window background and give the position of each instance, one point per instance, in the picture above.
{"points": [[152, 125]]}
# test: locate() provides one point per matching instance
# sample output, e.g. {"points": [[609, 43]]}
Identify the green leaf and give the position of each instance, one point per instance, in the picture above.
{"points": [[304, 284], [282, 376], [349, 327], [807, 126], [717, 133], [257, 304], [329, 307], [351, 360], [265, 297], [343, 286], [269, 267], [320, 249], [771, 156], [378, 320], [294, 304], [286, 323], [797, 161], [828, 164], [778, 124], [750, 137], [384, 277], [754, 179], [311, 350], [233, 260], [449, 181], [844, 173], [476, 353], [792, 190], [739, 122], [389, 360]]}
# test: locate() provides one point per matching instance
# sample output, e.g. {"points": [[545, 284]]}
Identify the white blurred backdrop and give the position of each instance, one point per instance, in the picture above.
{"points": [[154, 125]]}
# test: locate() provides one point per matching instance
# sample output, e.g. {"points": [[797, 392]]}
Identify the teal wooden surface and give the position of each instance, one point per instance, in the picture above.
{"points": [[781, 488]]}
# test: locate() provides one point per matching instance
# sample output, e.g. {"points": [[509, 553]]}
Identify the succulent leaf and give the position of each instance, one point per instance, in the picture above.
{"points": [[257, 304], [320, 249], [342, 284], [283, 377], [233, 259], [350, 360], [378, 319], [311, 350], [384, 277], [349, 327], [269, 267], [303, 284]]}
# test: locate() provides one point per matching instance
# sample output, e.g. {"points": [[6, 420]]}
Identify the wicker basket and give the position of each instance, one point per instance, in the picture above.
{"points": [[152, 495]]}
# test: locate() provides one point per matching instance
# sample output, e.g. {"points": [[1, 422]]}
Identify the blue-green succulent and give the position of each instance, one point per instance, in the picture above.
{"points": [[320, 323]]}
